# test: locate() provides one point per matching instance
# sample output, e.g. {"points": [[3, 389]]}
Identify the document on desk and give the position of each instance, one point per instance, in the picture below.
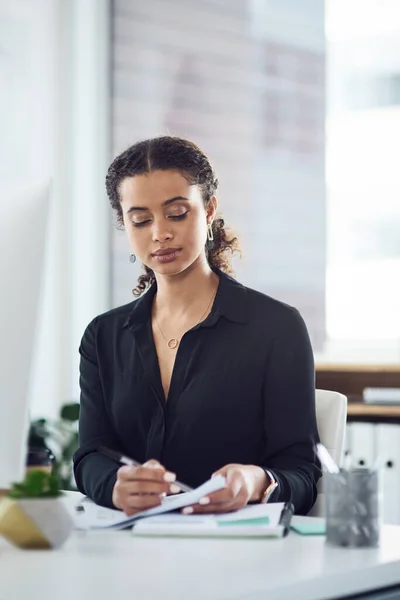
{"points": [[261, 520], [103, 518]]}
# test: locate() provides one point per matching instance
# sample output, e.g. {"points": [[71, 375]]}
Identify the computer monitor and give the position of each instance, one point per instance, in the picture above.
{"points": [[23, 226]]}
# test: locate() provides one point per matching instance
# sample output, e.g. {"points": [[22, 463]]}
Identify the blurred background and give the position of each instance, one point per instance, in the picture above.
{"points": [[297, 102]]}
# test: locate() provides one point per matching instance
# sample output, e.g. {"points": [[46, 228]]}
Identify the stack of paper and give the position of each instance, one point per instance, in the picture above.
{"points": [[261, 520]]}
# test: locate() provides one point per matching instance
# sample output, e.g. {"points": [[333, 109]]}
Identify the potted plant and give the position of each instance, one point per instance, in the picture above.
{"points": [[32, 514], [52, 444]]}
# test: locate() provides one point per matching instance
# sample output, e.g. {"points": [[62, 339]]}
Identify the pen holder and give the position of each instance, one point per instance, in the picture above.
{"points": [[352, 503]]}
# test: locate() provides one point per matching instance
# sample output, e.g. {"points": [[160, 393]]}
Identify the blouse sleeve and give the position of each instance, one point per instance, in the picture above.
{"points": [[95, 474], [289, 415]]}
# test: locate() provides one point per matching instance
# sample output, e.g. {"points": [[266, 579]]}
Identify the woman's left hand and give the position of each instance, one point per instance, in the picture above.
{"points": [[244, 483]]}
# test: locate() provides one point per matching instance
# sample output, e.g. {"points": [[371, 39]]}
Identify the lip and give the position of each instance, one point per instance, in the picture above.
{"points": [[167, 255], [163, 252]]}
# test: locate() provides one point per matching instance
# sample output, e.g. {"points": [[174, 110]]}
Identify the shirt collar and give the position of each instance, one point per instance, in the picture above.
{"points": [[230, 302], [231, 299], [141, 309]]}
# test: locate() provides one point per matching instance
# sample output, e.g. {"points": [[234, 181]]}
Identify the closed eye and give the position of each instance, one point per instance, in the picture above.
{"points": [[173, 217], [178, 217], [140, 223]]}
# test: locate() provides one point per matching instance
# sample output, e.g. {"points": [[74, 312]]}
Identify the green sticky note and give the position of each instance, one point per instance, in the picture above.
{"points": [[256, 521], [309, 528]]}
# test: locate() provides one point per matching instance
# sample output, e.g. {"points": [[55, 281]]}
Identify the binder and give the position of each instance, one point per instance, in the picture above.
{"points": [[348, 440], [388, 459], [363, 451], [261, 520]]}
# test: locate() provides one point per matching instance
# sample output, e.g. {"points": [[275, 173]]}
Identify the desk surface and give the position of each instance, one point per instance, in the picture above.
{"points": [[106, 565]]}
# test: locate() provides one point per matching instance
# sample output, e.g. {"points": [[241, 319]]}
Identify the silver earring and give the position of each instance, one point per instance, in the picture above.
{"points": [[210, 235], [132, 258]]}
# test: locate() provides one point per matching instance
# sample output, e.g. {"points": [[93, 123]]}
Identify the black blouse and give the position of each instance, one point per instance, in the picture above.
{"points": [[242, 391]]}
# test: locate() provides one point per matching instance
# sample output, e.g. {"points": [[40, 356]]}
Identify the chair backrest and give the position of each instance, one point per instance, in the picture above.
{"points": [[331, 409]]}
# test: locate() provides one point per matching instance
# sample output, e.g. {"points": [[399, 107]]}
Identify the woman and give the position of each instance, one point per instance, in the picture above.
{"points": [[200, 375]]}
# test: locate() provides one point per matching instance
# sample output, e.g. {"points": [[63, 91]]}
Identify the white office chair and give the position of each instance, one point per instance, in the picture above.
{"points": [[331, 408]]}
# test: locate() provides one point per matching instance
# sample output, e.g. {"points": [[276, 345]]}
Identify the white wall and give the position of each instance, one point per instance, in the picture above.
{"points": [[245, 80], [54, 125]]}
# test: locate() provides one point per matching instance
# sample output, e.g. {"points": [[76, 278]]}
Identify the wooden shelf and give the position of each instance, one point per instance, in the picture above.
{"points": [[352, 381], [358, 409], [361, 368]]}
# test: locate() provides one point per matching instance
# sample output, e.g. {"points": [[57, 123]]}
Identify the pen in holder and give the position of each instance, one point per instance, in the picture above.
{"points": [[352, 503]]}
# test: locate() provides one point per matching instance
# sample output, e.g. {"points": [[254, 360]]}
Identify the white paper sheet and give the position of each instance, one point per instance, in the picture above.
{"points": [[94, 517]]}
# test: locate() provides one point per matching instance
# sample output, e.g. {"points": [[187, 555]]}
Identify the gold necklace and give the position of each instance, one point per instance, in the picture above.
{"points": [[172, 343]]}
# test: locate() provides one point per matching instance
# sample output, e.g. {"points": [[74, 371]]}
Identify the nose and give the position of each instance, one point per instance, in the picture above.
{"points": [[161, 231]]}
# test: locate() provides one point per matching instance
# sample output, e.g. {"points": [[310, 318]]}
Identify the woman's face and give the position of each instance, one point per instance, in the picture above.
{"points": [[165, 219]]}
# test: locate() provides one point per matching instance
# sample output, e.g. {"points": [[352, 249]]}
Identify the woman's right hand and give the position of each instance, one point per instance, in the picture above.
{"points": [[144, 487]]}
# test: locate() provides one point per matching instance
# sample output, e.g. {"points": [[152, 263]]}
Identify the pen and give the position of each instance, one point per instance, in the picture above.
{"points": [[125, 460], [286, 516], [326, 459]]}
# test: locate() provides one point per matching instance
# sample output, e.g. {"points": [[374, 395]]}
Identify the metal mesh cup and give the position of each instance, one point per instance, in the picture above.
{"points": [[352, 503]]}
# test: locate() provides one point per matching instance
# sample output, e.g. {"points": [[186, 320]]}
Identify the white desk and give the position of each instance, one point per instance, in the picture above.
{"points": [[115, 565]]}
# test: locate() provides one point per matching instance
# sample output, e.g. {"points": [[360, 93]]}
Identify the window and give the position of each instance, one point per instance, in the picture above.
{"points": [[363, 182]]}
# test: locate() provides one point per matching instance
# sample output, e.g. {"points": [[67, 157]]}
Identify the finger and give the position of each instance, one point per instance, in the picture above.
{"points": [[232, 497], [224, 470], [153, 464], [209, 508], [234, 484], [224, 496], [138, 502], [237, 503], [174, 489], [145, 473], [139, 486]]}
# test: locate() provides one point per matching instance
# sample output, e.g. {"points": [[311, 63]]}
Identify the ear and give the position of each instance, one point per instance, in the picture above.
{"points": [[211, 209]]}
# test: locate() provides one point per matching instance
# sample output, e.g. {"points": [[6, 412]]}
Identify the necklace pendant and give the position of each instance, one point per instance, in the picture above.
{"points": [[172, 343]]}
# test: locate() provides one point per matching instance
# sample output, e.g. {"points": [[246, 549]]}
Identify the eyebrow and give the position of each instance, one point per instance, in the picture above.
{"points": [[166, 203]]}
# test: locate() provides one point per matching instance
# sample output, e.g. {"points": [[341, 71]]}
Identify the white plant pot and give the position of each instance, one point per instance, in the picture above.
{"points": [[35, 522]]}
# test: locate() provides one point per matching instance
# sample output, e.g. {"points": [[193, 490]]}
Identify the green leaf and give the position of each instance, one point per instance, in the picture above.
{"points": [[37, 484], [70, 412]]}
